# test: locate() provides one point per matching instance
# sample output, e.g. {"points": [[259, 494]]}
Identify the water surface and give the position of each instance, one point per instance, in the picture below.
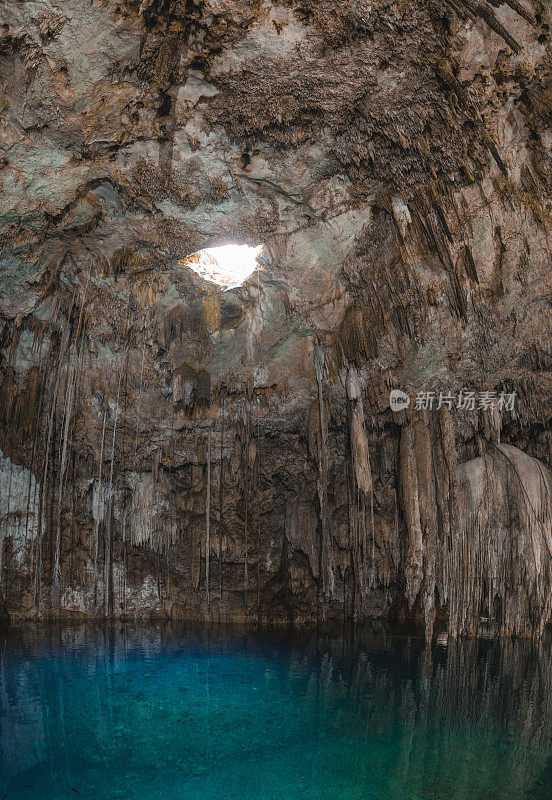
{"points": [[155, 712]]}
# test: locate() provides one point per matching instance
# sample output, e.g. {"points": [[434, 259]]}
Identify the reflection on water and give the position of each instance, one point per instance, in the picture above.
{"points": [[123, 712]]}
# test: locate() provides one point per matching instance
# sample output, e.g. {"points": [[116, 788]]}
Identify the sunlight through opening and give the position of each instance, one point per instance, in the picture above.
{"points": [[227, 266]]}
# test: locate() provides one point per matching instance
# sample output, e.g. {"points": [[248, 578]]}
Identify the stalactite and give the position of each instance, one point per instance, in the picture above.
{"points": [[167, 549], [409, 491], [107, 566], [36, 419], [360, 450], [475, 8], [446, 481], [427, 501], [125, 449], [36, 490], [155, 461], [171, 535], [246, 501], [351, 527], [100, 506], [6, 533], [373, 536], [140, 386], [43, 492], [360, 458], [504, 544], [72, 484], [71, 381], [221, 500], [158, 574], [360, 550], [208, 520], [322, 484], [257, 517], [44, 487]]}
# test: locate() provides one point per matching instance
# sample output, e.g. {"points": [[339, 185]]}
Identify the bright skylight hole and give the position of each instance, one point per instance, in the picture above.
{"points": [[228, 265]]}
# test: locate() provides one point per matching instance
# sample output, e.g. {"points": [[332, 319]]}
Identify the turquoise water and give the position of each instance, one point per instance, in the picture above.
{"points": [[145, 713]]}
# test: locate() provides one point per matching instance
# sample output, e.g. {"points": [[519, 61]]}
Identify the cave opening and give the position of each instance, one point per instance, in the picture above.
{"points": [[228, 265]]}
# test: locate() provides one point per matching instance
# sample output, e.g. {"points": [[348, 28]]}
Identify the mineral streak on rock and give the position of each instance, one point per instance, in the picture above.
{"points": [[393, 159]]}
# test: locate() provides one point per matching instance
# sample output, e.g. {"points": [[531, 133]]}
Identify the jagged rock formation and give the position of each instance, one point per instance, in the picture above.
{"points": [[393, 159]]}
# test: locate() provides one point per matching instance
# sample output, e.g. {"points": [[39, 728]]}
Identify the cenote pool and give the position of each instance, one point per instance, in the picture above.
{"points": [[157, 712]]}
